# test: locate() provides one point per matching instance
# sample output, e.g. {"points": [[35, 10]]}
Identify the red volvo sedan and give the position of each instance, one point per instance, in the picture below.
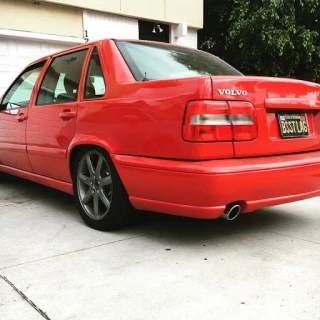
{"points": [[130, 124]]}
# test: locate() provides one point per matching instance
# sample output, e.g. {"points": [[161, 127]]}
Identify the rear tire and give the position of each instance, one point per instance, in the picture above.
{"points": [[100, 196]]}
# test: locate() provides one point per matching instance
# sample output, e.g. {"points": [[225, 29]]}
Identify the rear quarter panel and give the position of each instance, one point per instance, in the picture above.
{"points": [[271, 96], [144, 118]]}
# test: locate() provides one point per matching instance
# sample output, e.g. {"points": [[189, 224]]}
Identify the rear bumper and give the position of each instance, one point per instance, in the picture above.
{"points": [[202, 189]]}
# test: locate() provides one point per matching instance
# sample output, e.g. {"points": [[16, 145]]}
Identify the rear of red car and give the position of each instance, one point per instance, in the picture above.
{"points": [[261, 116], [273, 127]]}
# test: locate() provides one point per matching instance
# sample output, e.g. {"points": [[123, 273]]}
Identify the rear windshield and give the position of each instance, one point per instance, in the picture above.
{"points": [[153, 61]]}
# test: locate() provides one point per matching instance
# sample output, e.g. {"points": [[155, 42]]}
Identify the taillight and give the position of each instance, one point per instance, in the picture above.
{"points": [[210, 121]]}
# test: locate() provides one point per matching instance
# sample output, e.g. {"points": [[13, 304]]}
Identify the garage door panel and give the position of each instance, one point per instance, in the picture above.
{"points": [[5, 79], [47, 49], [4, 49], [16, 54], [28, 50]]}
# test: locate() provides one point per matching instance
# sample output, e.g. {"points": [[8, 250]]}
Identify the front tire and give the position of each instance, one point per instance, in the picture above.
{"points": [[100, 196]]}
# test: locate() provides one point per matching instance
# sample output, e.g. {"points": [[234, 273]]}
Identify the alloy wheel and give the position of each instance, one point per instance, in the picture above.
{"points": [[94, 185]]}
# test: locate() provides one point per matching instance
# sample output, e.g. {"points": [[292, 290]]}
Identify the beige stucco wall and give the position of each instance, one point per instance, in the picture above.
{"points": [[26, 16], [171, 11], [190, 11], [151, 9]]}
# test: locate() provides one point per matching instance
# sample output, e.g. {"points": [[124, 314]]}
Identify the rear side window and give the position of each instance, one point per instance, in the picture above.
{"points": [[95, 86], [153, 61], [61, 81]]}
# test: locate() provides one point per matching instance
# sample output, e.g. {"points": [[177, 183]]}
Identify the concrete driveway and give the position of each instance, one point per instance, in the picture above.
{"points": [[262, 266]]}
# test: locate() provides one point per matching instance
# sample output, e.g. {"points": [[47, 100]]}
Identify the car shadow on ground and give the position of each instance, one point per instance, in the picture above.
{"points": [[25, 191], [160, 226]]}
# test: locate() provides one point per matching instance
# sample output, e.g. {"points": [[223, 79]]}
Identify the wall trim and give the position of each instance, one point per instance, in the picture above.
{"points": [[26, 35]]}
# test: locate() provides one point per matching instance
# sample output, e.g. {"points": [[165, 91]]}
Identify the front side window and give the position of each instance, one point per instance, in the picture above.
{"points": [[19, 94], [95, 86], [154, 61], [61, 81]]}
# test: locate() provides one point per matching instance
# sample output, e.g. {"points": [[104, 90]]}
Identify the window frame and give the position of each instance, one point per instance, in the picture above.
{"points": [[33, 65], [95, 46], [104, 73], [82, 73]]}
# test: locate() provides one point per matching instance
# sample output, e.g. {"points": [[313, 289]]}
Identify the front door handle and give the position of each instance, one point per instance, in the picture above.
{"points": [[21, 117], [67, 114]]}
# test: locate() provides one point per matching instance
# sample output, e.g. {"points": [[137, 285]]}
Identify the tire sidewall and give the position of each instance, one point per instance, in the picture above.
{"points": [[115, 217]]}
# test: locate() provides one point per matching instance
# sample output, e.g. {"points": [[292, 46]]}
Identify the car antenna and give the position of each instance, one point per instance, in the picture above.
{"points": [[145, 77]]}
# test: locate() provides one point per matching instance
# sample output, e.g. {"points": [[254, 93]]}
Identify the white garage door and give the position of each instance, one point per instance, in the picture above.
{"points": [[16, 54], [105, 25]]}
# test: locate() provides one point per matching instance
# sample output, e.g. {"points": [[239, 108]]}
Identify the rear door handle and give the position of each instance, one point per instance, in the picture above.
{"points": [[67, 114], [21, 117]]}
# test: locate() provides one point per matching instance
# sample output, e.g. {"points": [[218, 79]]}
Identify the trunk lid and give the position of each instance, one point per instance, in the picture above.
{"points": [[284, 107]]}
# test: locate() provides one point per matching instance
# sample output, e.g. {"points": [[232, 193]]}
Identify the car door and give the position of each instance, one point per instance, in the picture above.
{"points": [[52, 118], [13, 118]]}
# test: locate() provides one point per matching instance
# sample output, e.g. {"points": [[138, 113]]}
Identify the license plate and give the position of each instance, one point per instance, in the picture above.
{"points": [[293, 125]]}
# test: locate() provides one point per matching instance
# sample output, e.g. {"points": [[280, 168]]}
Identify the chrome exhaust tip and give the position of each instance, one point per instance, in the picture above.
{"points": [[231, 212]]}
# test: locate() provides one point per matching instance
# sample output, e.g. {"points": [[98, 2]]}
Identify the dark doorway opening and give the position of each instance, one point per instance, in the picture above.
{"points": [[153, 31]]}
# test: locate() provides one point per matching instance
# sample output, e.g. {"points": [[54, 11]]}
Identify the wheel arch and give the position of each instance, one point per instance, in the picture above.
{"points": [[80, 145]]}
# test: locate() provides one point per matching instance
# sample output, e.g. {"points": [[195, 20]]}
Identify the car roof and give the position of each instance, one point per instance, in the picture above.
{"points": [[102, 41], [79, 46]]}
